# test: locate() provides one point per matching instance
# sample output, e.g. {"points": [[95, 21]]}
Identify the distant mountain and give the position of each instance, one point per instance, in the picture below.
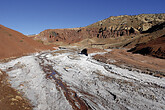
{"points": [[114, 32], [117, 28], [13, 43], [139, 23]]}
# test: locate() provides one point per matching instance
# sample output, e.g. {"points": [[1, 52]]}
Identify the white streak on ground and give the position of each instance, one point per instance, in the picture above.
{"points": [[101, 86]]}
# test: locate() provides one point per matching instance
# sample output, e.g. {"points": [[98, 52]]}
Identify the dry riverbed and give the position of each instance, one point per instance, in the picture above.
{"points": [[65, 80]]}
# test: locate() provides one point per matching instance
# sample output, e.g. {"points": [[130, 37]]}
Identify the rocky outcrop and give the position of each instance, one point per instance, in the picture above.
{"points": [[78, 34], [154, 47], [116, 32], [140, 22], [84, 51], [66, 35]]}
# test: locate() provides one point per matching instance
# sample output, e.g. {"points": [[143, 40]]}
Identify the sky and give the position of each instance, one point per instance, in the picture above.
{"points": [[34, 16]]}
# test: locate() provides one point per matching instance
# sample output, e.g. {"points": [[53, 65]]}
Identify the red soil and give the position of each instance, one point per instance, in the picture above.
{"points": [[95, 50], [11, 99], [145, 63], [14, 44], [154, 47]]}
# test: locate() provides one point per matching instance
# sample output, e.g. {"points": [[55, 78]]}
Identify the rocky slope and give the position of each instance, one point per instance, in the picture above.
{"points": [[154, 47], [115, 31], [13, 43]]}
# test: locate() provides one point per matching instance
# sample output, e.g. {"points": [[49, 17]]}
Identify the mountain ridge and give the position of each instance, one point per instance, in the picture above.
{"points": [[112, 28]]}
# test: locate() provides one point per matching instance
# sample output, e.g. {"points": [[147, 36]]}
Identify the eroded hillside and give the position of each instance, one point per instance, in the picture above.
{"points": [[13, 44], [115, 31]]}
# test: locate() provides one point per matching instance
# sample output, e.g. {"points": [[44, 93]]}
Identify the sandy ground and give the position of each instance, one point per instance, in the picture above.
{"points": [[122, 58], [11, 99], [67, 80], [94, 50]]}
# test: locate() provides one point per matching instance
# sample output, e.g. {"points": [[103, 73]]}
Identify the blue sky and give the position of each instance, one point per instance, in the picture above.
{"points": [[34, 16]]}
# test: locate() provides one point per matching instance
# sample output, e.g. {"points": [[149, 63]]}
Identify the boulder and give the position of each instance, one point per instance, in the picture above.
{"points": [[84, 51]]}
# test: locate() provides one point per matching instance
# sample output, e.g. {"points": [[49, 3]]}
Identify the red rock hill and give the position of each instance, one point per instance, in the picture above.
{"points": [[13, 43]]}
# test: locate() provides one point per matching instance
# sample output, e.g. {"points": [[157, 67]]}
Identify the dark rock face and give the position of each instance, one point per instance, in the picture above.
{"points": [[84, 51]]}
